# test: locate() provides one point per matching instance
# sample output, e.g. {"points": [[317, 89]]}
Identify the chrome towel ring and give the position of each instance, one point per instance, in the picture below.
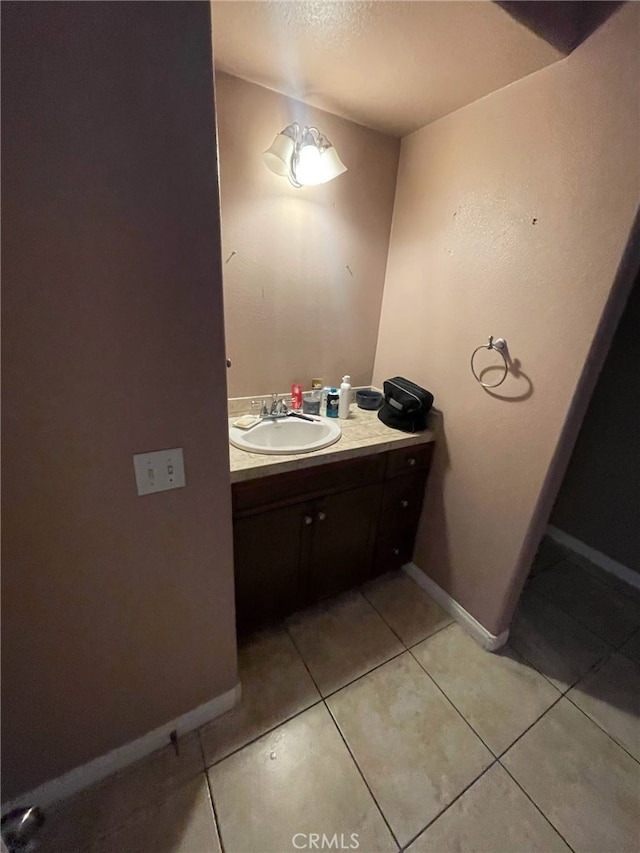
{"points": [[500, 346]]}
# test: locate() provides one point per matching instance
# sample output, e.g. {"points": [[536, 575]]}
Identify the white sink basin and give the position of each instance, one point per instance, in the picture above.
{"points": [[288, 435]]}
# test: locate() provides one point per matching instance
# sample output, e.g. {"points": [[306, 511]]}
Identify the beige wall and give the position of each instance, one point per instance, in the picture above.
{"points": [[293, 310], [118, 611], [510, 219]]}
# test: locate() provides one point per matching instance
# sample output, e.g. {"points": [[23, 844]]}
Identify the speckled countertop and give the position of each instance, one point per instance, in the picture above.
{"points": [[363, 433]]}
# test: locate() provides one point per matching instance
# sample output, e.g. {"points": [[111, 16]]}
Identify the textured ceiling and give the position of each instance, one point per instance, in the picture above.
{"points": [[393, 66]]}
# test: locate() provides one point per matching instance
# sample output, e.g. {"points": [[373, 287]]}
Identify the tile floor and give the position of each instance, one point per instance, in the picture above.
{"points": [[375, 721]]}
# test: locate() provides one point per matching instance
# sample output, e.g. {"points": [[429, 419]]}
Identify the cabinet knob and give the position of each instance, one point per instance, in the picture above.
{"points": [[412, 460], [404, 504], [308, 519], [322, 516], [396, 551]]}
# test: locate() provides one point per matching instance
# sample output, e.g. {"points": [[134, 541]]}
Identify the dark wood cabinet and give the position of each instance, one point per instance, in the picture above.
{"points": [[342, 542], [267, 549], [398, 522], [306, 535]]}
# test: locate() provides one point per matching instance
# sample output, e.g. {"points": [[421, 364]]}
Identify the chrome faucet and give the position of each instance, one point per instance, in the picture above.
{"points": [[277, 405], [280, 409]]}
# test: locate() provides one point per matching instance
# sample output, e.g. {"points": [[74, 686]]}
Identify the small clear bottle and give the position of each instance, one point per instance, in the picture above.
{"points": [[311, 402]]}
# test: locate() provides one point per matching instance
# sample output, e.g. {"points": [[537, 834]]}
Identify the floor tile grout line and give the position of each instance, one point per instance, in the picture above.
{"points": [[573, 619], [610, 590], [285, 628], [353, 680], [368, 672], [375, 610], [288, 719], [347, 747], [621, 650], [601, 575], [615, 646], [160, 797], [554, 562], [448, 806], [625, 641], [262, 734], [627, 656], [450, 701], [602, 729], [417, 642], [216, 820], [300, 655], [360, 771], [533, 802], [322, 700], [529, 727], [598, 664], [201, 746], [549, 600], [437, 631]]}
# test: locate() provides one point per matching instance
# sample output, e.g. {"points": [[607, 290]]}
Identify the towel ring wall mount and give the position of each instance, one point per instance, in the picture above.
{"points": [[500, 346]]}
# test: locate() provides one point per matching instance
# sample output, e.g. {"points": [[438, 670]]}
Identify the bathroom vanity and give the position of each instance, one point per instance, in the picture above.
{"points": [[312, 526]]}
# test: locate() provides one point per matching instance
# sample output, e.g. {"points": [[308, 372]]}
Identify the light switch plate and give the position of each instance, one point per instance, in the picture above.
{"points": [[159, 470]]}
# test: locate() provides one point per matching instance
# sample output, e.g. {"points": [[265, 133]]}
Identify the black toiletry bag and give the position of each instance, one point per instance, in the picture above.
{"points": [[405, 405]]}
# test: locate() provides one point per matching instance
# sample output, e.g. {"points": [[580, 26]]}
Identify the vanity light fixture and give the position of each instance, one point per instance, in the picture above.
{"points": [[304, 155]]}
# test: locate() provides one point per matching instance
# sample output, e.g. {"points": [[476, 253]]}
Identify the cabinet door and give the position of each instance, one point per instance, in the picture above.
{"points": [[341, 541], [266, 562]]}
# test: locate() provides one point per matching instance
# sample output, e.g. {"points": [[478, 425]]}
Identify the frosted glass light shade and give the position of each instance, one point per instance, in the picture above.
{"points": [[304, 156], [278, 156], [331, 164], [308, 168]]}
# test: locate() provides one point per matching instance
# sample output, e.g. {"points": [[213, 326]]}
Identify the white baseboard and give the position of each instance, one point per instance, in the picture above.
{"points": [[94, 771], [612, 566], [485, 638]]}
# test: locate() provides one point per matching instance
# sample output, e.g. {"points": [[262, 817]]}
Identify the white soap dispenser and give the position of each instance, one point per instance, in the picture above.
{"points": [[345, 398]]}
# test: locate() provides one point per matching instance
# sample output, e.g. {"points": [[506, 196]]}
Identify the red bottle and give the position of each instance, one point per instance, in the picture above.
{"points": [[296, 395]]}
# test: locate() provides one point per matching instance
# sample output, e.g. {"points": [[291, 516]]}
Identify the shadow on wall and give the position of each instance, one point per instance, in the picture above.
{"points": [[522, 391], [564, 25], [434, 511], [599, 498], [506, 374]]}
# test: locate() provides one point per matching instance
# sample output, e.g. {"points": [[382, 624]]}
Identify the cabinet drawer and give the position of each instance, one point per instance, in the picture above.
{"points": [[402, 502], [392, 552], [295, 486], [409, 459]]}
